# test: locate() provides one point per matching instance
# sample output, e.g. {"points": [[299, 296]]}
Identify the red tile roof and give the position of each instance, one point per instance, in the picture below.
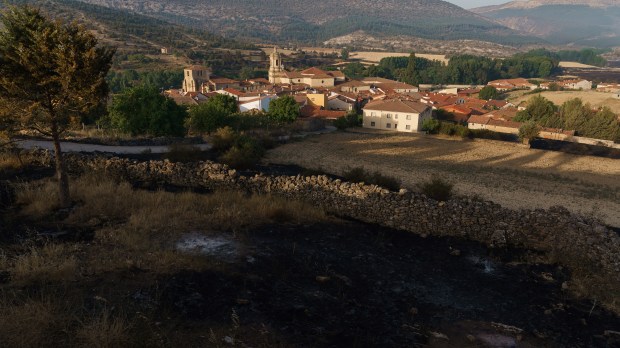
{"points": [[397, 105]]}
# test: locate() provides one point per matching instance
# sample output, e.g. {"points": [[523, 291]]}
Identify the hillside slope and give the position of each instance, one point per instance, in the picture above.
{"points": [[298, 21], [598, 23]]}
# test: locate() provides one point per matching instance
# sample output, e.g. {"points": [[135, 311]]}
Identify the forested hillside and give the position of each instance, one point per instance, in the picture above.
{"points": [[586, 23], [313, 23], [128, 27]]}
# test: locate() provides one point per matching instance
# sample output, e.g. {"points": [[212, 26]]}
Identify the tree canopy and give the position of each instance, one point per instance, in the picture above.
{"points": [[208, 117], [144, 111], [52, 75], [284, 109], [488, 93]]}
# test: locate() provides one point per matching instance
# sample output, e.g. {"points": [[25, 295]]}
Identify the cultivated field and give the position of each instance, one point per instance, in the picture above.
{"points": [[506, 173], [575, 65], [596, 99], [375, 57]]}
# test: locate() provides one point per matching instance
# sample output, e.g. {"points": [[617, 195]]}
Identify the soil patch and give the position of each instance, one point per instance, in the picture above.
{"points": [[359, 285]]}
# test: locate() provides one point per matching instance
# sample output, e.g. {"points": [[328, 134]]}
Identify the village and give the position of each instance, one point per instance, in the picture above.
{"points": [[385, 104]]}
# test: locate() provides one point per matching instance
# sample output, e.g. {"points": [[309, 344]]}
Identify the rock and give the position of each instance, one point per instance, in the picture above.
{"points": [[439, 335], [413, 311], [455, 252], [471, 338], [322, 279]]}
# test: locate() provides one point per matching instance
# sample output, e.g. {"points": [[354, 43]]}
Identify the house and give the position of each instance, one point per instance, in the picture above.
{"points": [[231, 92], [164, 50], [494, 125], [354, 86], [260, 103], [396, 114], [467, 92], [318, 112], [577, 84], [510, 84], [220, 83], [194, 77], [312, 77], [340, 102], [608, 88]]}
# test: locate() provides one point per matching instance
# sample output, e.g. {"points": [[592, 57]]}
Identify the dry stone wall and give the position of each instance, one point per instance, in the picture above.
{"points": [[570, 239]]}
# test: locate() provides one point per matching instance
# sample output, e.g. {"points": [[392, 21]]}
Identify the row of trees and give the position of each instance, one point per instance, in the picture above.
{"points": [[461, 69], [572, 115], [143, 110]]}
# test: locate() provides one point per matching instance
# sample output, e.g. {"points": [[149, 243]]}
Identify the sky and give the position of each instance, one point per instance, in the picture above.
{"points": [[476, 3]]}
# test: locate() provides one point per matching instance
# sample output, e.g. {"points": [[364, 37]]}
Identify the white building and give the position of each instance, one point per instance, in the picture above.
{"points": [[259, 103], [397, 115]]}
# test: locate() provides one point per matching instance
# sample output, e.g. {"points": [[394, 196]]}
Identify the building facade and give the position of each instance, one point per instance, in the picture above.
{"points": [[396, 115], [194, 77]]}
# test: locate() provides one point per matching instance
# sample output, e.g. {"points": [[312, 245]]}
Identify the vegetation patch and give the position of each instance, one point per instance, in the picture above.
{"points": [[437, 189], [359, 174]]}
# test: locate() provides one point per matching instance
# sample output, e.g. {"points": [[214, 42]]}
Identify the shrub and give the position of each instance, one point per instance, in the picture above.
{"points": [[351, 119], [244, 154], [529, 131], [437, 189], [224, 138], [359, 174], [431, 126], [183, 153]]}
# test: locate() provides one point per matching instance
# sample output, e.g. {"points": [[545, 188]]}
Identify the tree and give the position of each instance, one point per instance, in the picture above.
{"points": [[51, 74], [410, 74], [210, 116], [144, 111], [488, 93], [246, 73], [344, 53], [284, 109], [539, 109], [529, 131]]}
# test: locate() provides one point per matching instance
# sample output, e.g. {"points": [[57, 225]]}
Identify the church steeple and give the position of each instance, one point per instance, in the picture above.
{"points": [[275, 65]]}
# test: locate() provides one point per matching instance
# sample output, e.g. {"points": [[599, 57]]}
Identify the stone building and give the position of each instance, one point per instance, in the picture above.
{"points": [[195, 77]]}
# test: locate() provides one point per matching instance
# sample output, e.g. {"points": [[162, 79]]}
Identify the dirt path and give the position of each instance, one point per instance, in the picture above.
{"points": [[506, 173]]}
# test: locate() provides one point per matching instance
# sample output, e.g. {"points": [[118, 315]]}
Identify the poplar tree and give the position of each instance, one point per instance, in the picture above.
{"points": [[51, 75]]}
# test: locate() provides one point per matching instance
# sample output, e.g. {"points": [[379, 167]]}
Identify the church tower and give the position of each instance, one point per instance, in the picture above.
{"points": [[275, 66], [194, 77]]}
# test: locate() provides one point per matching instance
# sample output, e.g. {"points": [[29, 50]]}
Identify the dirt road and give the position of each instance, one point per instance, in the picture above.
{"points": [[506, 173]]}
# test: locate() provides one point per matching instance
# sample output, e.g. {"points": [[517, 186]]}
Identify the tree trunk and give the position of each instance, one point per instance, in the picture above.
{"points": [[61, 173]]}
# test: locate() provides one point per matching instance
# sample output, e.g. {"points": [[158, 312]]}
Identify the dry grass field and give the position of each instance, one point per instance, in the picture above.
{"points": [[575, 65], [506, 173], [375, 57], [596, 99]]}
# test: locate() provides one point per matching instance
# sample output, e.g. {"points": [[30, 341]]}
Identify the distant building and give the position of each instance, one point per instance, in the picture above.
{"points": [[312, 77], [510, 84], [195, 77], [396, 115], [164, 50]]}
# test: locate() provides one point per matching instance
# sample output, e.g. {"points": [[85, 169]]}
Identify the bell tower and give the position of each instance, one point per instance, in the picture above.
{"points": [[275, 66]]}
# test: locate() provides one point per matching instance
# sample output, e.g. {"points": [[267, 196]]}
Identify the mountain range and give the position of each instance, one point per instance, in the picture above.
{"points": [[594, 23], [315, 22]]}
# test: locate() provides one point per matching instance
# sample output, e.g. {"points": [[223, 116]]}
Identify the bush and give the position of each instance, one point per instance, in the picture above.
{"points": [[223, 139], [431, 125], [183, 153], [359, 174], [351, 119], [244, 154], [437, 189]]}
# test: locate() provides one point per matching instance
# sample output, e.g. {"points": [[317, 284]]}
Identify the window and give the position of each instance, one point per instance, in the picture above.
{"points": [[396, 116], [408, 127], [372, 124], [389, 125], [188, 73], [388, 115], [408, 117], [372, 113]]}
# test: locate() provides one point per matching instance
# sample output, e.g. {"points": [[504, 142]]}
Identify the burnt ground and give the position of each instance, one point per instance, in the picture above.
{"points": [[359, 285]]}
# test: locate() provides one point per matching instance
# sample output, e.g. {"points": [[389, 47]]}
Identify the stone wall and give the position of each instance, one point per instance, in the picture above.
{"points": [[569, 239]]}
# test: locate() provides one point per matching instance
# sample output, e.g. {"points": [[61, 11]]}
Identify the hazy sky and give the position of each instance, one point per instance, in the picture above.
{"points": [[476, 3]]}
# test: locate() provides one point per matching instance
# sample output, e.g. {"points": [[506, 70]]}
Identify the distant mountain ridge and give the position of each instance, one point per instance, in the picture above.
{"points": [[301, 21], [593, 23]]}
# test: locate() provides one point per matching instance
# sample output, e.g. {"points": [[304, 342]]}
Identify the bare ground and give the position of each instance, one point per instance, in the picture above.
{"points": [[596, 99], [506, 173]]}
